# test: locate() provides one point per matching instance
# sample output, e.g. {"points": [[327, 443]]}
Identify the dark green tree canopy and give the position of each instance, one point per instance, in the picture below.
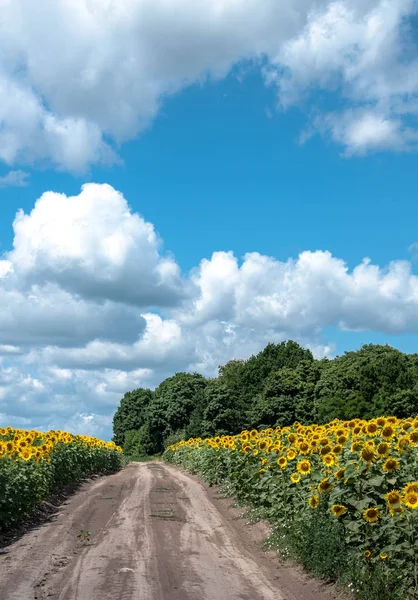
{"points": [[131, 413], [281, 384]]}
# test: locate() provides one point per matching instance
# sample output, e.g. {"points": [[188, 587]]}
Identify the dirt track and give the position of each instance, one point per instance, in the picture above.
{"points": [[156, 534]]}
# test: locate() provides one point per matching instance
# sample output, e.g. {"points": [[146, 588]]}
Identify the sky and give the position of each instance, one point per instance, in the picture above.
{"points": [[183, 182]]}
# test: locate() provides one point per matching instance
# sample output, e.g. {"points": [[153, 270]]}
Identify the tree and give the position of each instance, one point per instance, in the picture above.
{"points": [[172, 405], [287, 396], [131, 413], [372, 381], [223, 415], [274, 357]]}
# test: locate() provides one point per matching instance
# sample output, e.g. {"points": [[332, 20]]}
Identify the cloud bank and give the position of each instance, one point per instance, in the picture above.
{"points": [[91, 306], [78, 78]]}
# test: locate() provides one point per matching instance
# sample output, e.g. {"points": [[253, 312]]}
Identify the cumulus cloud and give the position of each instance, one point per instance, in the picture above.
{"points": [[80, 77], [304, 295], [72, 345], [92, 244]]}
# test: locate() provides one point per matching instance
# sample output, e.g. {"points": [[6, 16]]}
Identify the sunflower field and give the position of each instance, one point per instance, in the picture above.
{"points": [[33, 465], [342, 498]]}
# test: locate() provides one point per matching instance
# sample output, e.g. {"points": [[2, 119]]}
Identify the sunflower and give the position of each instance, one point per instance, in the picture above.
{"points": [[367, 454], [339, 474], [403, 444], [356, 446], [388, 432], [304, 448], [367, 554], [383, 556], [338, 510], [371, 515], [329, 460], [313, 501], [291, 454], [411, 488], [383, 449], [295, 477], [398, 510], [390, 465], [413, 437], [262, 470], [411, 500], [282, 462], [304, 467], [325, 485], [393, 498], [372, 428]]}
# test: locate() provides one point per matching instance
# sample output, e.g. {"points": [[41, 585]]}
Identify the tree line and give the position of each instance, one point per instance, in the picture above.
{"points": [[278, 386]]}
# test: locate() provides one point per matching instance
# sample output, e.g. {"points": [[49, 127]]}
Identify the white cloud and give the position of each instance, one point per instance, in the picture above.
{"points": [[79, 77], [91, 244], [16, 178], [71, 346], [362, 131]]}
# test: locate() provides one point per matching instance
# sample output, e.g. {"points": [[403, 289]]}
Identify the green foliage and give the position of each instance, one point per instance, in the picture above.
{"points": [[131, 414], [24, 484], [371, 381], [281, 384], [223, 414], [172, 406]]}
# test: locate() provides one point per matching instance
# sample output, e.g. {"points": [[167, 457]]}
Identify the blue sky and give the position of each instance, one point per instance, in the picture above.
{"points": [[216, 165]]}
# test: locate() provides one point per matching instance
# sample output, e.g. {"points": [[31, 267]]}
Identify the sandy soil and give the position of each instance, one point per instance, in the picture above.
{"points": [[155, 534]]}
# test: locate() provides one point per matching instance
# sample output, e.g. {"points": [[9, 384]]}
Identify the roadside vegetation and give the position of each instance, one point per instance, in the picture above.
{"points": [[280, 385], [342, 498], [337, 481], [34, 465]]}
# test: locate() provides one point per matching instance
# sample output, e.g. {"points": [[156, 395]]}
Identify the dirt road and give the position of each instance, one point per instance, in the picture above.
{"points": [[156, 534]]}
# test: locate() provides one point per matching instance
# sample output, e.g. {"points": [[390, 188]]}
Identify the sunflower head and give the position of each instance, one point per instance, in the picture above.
{"points": [[367, 554], [338, 510], [403, 444], [295, 477], [393, 498], [383, 449], [282, 462], [339, 474], [304, 467], [372, 428], [325, 485], [326, 450], [330, 460], [390, 465], [313, 501], [371, 515], [411, 488], [411, 500], [398, 510], [291, 454], [304, 447], [367, 454], [413, 437]]}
